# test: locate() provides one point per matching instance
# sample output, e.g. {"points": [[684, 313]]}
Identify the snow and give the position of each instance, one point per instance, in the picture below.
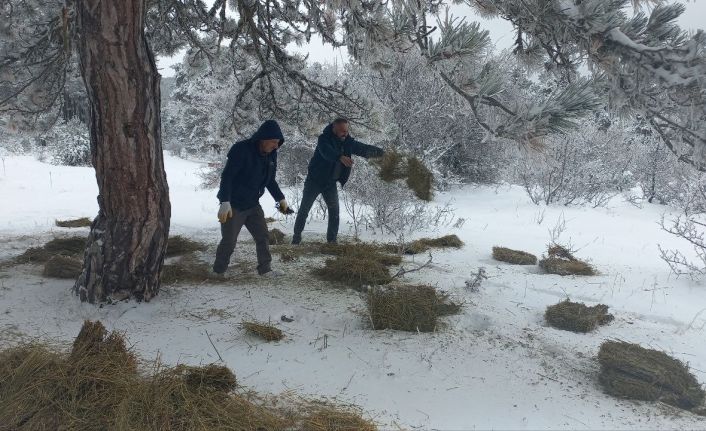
{"points": [[496, 365]]}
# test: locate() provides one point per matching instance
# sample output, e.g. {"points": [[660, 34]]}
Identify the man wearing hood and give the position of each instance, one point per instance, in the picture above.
{"points": [[249, 170], [330, 164]]}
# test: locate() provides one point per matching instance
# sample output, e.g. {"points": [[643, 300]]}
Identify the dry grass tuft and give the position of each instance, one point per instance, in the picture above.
{"points": [[561, 261], [425, 244], [63, 267], [408, 308], [66, 246], [393, 166], [72, 223], [189, 269], [98, 386], [362, 250], [419, 179], [264, 330], [323, 417], [515, 257], [276, 236], [178, 245], [577, 317], [631, 371], [354, 271]]}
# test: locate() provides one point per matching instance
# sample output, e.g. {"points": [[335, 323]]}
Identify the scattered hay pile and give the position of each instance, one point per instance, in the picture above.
{"points": [[178, 245], [515, 257], [354, 271], [98, 386], [362, 250], [189, 269], [577, 317], [393, 166], [276, 236], [72, 223], [66, 246], [324, 417], [408, 308], [631, 371], [561, 262], [425, 244], [263, 330], [60, 266]]}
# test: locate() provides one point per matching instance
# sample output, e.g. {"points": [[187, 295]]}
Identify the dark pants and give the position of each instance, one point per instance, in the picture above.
{"points": [[312, 190], [254, 221]]}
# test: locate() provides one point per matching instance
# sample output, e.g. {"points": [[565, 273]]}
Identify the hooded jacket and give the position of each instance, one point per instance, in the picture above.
{"points": [[248, 173], [325, 166]]}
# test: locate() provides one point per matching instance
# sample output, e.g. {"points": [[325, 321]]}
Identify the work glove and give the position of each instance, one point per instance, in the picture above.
{"points": [[284, 208], [225, 212]]}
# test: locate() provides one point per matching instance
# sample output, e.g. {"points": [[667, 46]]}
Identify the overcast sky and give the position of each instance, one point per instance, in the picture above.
{"points": [[500, 32]]}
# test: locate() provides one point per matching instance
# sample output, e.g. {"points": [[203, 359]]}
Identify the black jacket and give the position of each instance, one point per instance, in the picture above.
{"points": [[325, 166], [248, 173]]}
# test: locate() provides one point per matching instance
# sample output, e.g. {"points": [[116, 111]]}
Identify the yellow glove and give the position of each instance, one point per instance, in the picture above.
{"points": [[225, 212]]}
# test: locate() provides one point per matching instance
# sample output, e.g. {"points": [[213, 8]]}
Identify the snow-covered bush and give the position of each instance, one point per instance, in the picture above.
{"points": [[588, 166], [67, 143], [390, 207]]}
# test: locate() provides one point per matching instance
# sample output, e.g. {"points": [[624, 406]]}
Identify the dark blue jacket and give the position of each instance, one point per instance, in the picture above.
{"points": [[248, 173], [325, 166]]}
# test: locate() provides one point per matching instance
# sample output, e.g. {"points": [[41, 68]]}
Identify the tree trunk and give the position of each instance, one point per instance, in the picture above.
{"points": [[128, 238]]}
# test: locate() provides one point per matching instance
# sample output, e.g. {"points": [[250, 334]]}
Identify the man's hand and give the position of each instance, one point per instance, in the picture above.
{"points": [[347, 161], [284, 208], [225, 212]]}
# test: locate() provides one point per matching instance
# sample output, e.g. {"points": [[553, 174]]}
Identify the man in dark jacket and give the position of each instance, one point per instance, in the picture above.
{"points": [[330, 164], [249, 170]]}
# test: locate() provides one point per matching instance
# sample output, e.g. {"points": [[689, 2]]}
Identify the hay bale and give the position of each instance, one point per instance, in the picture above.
{"points": [[424, 244], [263, 330], [214, 377], [408, 308], [577, 317], [178, 245], [354, 271], [515, 257], [631, 371], [391, 166], [276, 236], [62, 267], [419, 179], [362, 250], [561, 261], [562, 267], [189, 269], [323, 417], [73, 223], [65, 246]]}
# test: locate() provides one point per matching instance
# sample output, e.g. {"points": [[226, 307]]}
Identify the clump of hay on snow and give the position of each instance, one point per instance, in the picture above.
{"points": [[577, 317], [515, 257], [424, 244], [354, 271], [74, 223], [263, 330], [60, 266], [408, 308], [631, 371], [178, 245], [65, 246], [362, 250], [560, 261], [98, 385]]}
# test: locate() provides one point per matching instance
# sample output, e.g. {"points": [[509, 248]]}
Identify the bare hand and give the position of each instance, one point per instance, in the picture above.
{"points": [[347, 161]]}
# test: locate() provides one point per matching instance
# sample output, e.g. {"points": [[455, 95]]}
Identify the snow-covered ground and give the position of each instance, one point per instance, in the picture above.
{"points": [[496, 365]]}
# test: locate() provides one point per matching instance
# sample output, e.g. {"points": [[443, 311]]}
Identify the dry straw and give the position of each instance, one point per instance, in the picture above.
{"points": [[631, 371], [577, 317], [515, 257], [99, 386], [74, 223], [60, 266], [561, 261], [65, 246], [408, 307], [179, 245], [263, 330]]}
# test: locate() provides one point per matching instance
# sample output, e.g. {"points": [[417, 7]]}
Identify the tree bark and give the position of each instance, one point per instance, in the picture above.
{"points": [[128, 238]]}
